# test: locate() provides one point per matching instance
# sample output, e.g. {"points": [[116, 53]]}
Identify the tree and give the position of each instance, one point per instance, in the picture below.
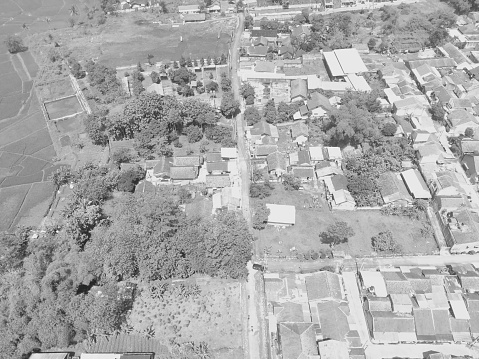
{"points": [[61, 176], [372, 43], [438, 37], [218, 134], [247, 92], [252, 116], [291, 182], [469, 132], [14, 44], [81, 221], [337, 233], [182, 76], [389, 129], [437, 113], [269, 111], [128, 180], [260, 215], [121, 155], [198, 112], [225, 83], [229, 106], [248, 22], [211, 86], [385, 243], [73, 10], [260, 190], [150, 57], [194, 133], [139, 68], [155, 78]]}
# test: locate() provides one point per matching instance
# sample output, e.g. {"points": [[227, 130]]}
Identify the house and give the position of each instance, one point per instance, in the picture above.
{"points": [[229, 153], [319, 105], [305, 174], [342, 62], [262, 129], [299, 90], [286, 51], [300, 30], [281, 215], [336, 183], [217, 181], [257, 51], [393, 190], [469, 146], [378, 304], [459, 103], [162, 169], [388, 327], [415, 106], [262, 151], [324, 286], [219, 167], [316, 154], [453, 52], [276, 164], [437, 62], [298, 340], [332, 154], [189, 9], [183, 173], [326, 169], [187, 161], [415, 184], [333, 349], [194, 17], [342, 199], [430, 152], [471, 167], [214, 7], [213, 157], [460, 120], [300, 133], [374, 283], [460, 229]]}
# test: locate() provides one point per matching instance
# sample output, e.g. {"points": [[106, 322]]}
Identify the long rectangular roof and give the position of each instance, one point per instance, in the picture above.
{"points": [[350, 61], [281, 214], [415, 184], [333, 64]]}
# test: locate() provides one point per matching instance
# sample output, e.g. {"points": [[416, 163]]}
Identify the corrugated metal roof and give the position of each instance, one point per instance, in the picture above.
{"points": [[333, 64], [350, 61]]}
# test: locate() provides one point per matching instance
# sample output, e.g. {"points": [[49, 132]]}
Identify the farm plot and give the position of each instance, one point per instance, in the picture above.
{"points": [[30, 63], [55, 90], [11, 200], [62, 108], [210, 313]]}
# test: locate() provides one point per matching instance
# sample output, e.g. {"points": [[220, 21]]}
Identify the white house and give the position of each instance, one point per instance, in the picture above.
{"points": [[281, 215]]}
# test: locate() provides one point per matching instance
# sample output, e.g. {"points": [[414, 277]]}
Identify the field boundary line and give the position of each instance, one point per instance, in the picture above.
{"points": [[24, 67], [80, 96], [23, 139], [19, 208]]}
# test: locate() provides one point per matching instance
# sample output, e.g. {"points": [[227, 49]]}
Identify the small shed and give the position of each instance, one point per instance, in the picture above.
{"points": [[281, 215]]}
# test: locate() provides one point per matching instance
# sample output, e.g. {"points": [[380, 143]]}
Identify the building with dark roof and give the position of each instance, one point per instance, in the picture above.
{"points": [[297, 340], [388, 327], [324, 286], [183, 173]]}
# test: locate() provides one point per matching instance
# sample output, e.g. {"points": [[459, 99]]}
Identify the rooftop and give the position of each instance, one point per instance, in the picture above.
{"points": [[281, 214]]}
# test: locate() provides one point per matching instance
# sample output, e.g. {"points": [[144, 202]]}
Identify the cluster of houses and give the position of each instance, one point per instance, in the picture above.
{"points": [[193, 13], [216, 172], [427, 304], [309, 317]]}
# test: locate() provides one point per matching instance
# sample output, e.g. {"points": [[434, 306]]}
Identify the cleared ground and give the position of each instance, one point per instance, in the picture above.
{"points": [[213, 316], [310, 222]]}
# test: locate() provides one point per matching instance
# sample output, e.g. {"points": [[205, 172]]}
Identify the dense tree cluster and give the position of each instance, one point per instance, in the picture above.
{"points": [[104, 81]]}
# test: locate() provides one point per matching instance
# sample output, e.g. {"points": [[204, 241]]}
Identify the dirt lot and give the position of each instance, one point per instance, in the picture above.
{"points": [[310, 222], [212, 316]]}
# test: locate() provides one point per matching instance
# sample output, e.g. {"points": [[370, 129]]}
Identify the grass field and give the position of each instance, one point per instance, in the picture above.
{"points": [[64, 107], [213, 316], [56, 89], [129, 38], [366, 224]]}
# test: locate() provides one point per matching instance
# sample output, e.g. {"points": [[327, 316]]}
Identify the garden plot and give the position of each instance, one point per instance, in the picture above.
{"points": [[210, 313], [65, 107]]}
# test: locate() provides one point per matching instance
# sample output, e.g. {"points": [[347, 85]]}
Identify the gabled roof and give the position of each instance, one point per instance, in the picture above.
{"points": [[183, 173], [217, 166], [339, 182], [387, 322], [304, 158], [186, 161], [213, 157], [434, 62], [276, 161], [260, 51], [263, 128], [316, 153], [264, 150], [415, 184], [392, 188], [163, 166], [324, 286], [265, 33], [217, 181], [333, 318], [459, 117], [319, 100], [299, 88]]}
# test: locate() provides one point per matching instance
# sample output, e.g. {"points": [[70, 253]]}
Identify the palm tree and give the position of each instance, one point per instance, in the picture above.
{"points": [[73, 11]]}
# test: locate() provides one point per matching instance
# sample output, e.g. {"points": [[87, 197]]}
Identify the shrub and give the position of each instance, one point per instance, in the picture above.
{"points": [[121, 155], [384, 242], [260, 215], [259, 190], [14, 44], [290, 182], [194, 133], [218, 134], [129, 179], [389, 129]]}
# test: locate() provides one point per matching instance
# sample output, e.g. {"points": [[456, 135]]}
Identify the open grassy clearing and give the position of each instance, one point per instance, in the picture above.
{"points": [[310, 222], [129, 38], [212, 316], [64, 107], [55, 89], [35, 205]]}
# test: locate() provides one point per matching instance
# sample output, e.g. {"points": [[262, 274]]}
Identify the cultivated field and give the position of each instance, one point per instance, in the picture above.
{"points": [[310, 222], [64, 107], [213, 315]]}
